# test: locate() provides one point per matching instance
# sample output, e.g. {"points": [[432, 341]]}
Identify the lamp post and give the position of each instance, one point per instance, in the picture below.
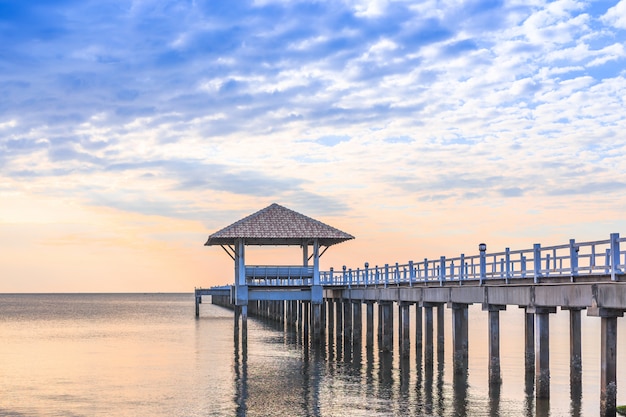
{"points": [[483, 262]]}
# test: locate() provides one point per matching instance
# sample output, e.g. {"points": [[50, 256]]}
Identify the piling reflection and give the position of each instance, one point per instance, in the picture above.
{"points": [[241, 377]]}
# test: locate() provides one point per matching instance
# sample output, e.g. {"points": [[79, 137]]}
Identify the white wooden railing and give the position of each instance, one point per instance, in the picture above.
{"points": [[572, 260], [279, 275]]}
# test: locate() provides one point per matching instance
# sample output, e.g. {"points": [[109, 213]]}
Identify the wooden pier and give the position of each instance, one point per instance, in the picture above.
{"points": [[573, 277]]}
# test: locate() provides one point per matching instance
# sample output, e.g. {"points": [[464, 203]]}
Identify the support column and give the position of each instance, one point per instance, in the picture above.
{"points": [[460, 339], [369, 337], [317, 321], [440, 331], [405, 339], [428, 322], [494, 342], [347, 324], [357, 322], [542, 351], [575, 346], [198, 302], [339, 320], [244, 327], [418, 331], [608, 358], [529, 341], [331, 318], [387, 308]]}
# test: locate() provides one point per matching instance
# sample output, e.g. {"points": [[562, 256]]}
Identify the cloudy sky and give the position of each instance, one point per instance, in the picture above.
{"points": [[130, 130]]}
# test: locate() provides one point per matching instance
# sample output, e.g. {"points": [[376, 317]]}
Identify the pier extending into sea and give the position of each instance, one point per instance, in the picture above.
{"points": [[574, 276]]}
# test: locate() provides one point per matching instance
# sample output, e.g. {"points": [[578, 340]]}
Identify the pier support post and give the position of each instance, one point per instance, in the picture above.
{"points": [[428, 342], [357, 322], [347, 324], [405, 337], [316, 316], [369, 337], [440, 331], [608, 358], [575, 346], [529, 341], [460, 340], [542, 350], [494, 342], [244, 327], [198, 302], [306, 320], [330, 304], [339, 321], [418, 331], [387, 309]]}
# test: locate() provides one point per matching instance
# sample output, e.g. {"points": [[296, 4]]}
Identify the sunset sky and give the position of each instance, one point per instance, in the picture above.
{"points": [[131, 130]]}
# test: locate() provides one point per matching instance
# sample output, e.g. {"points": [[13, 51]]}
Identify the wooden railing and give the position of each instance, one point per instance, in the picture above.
{"points": [[283, 275], [571, 260]]}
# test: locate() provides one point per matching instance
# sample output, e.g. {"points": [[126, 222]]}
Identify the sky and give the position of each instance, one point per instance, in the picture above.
{"points": [[131, 130]]}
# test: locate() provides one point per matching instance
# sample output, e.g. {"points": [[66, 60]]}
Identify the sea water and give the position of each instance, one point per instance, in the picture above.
{"points": [[148, 355]]}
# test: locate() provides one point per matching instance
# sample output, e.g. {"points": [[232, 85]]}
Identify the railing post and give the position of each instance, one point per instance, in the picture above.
{"points": [[615, 254], [425, 270], [573, 258], [537, 262], [523, 265], [345, 277], [332, 278], [507, 260], [442, 270], [396, 274], [386, 275], [411, 274], [358, 276], [462, 271], [607, 261], [377, 278], [366, 272], [483, 262]]}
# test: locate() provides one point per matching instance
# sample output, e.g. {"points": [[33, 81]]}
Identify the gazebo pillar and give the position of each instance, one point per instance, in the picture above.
{"points": [[241, 290], [317, 293]]}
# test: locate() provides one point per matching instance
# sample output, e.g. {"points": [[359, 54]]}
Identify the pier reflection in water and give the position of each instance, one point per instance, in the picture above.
{"points": [[345, 375]]}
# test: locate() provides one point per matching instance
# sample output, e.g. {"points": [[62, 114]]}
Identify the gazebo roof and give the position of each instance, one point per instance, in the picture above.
{"points": [[277, 225]]}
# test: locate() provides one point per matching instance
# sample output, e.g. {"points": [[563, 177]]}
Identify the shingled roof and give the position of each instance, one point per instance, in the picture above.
{"points": [[277, 225]]}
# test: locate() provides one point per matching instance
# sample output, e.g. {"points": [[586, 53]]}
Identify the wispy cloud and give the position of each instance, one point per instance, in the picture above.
{"points": [[184, 108]]}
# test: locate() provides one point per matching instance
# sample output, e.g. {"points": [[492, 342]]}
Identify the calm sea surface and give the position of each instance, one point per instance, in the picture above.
{"points": [[147, 355]]}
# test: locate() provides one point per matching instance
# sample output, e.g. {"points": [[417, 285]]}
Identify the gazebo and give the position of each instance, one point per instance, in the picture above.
{"points": [[276, 225]]}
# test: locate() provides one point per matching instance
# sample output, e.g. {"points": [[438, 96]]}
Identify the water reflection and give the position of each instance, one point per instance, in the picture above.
{"points": [[241, 377]]}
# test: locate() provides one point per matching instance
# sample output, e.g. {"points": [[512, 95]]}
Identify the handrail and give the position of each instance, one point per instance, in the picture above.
{"points": [[602, 257]]}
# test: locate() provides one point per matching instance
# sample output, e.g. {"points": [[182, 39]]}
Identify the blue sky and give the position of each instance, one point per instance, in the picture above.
{"points": [[418, 127]]}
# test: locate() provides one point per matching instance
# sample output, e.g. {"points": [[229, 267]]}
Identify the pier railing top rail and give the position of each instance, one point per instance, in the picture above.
{"points": [[573, 259]]}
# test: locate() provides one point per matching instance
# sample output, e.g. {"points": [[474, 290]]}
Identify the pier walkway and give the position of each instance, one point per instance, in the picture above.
{"points": [[574, 276]]}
